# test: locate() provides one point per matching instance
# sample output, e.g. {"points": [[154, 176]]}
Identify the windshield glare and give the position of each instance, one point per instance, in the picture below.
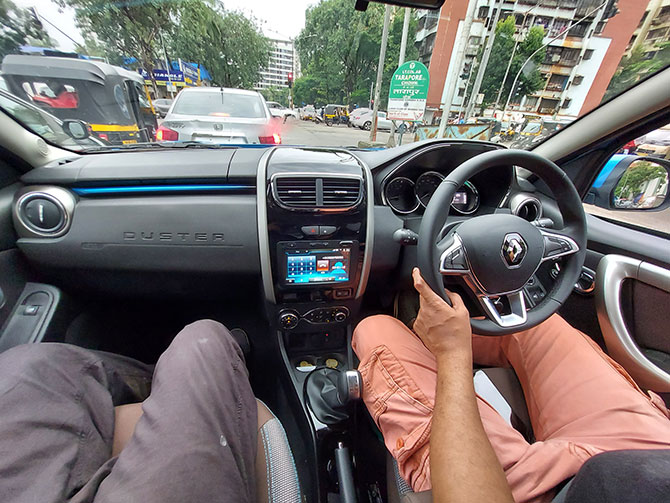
{"points": [[219, 104], [512, 73]]}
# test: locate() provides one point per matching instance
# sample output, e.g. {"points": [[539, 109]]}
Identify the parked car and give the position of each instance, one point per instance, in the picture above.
{"points": [[219, 115], [279, 110], [162, 106], [364, 121], [356, 114]]}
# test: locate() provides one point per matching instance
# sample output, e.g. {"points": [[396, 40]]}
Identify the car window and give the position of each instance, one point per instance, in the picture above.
{"points": [[31, 118], [219, 104], [524, 69], [632, 187]]}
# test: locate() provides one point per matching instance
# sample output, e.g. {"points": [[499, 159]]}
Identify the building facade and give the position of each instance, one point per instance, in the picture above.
{"points": [[585, 42], [282, 61], [653, 29]]}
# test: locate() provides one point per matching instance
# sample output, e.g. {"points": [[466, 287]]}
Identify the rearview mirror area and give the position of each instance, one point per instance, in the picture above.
{"points": [[362, 5], [644, 185], [76, 129], [630, 182]]}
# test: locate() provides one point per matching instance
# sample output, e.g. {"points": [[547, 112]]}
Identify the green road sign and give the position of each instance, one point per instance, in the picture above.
{"points": [[408, 92]]}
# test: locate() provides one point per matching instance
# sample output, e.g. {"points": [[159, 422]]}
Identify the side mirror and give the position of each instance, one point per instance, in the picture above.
{"points": [[629, 182], [76, 129]]}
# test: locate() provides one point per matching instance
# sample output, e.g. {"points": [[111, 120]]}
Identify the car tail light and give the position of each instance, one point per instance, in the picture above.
{"points": [[103, 136], [166, 134], [275, 139]]}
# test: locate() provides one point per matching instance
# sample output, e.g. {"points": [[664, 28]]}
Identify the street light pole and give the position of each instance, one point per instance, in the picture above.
{"points": [[516, 78], [401, 60], [482, 64], [380, 72]]}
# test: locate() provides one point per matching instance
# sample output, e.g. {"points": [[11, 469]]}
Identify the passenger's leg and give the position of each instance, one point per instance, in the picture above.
{"points": [[196, 439], [57, 417]]}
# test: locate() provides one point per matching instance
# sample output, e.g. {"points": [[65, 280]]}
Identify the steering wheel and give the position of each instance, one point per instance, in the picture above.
{"points": [[497, 254]]}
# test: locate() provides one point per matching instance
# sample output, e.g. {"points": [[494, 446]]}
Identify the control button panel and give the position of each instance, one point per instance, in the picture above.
{"points": [[327, 315]]}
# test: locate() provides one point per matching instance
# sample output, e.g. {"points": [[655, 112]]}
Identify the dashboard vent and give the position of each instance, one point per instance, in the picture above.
{"points": [[341, 192], [296, 192]]}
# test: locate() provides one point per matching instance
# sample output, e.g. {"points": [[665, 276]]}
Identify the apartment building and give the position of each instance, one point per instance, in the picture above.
{"points": [[585, 41], [653, 29], [283, 60]]}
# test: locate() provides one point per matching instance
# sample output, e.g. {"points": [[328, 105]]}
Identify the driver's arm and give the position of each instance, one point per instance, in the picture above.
{"points": [[463, 466]]}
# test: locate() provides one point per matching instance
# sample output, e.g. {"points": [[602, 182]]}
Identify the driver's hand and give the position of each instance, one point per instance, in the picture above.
{"points": [[445, 330]]}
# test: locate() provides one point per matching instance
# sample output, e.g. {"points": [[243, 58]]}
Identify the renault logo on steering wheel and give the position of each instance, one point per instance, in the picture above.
{"points": [[514, 249]]}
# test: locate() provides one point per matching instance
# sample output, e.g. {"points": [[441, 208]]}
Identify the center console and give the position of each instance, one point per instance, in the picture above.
{"points": [[315, 225]]}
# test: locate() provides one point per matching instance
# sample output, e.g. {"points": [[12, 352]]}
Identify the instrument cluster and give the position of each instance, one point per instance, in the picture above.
{"points": [[406, 196]]}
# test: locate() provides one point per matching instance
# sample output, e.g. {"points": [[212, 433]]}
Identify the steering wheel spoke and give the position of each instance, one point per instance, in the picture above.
{"points": [[453, 261], [496, 309], [557, 244]]}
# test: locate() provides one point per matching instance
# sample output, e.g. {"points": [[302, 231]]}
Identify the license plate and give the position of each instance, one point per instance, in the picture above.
{"points": [[129, 141]]}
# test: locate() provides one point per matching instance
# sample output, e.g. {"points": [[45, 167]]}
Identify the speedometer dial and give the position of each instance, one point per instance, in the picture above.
{"points": [[400, 196], [426, 185]]}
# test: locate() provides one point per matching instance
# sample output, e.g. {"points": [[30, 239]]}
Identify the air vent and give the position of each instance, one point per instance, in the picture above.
{"points": [[526, 206], [341, 192], [296, 192]]}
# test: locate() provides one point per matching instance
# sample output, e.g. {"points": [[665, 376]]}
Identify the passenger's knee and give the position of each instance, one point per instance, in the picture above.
{"points": [[372, 332], [204, 340]]}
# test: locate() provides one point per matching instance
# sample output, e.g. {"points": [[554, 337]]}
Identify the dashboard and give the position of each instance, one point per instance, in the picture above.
{"points": [[314, 224]]}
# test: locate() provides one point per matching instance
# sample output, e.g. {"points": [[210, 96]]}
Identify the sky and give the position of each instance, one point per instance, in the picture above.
{"points": [[284, 17]]}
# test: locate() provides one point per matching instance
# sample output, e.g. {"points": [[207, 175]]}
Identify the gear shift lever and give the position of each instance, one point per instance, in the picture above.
{"points": [[329, 392]]}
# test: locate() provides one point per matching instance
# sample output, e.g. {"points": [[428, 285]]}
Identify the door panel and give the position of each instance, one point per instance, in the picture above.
{"points": [[629, 342]]}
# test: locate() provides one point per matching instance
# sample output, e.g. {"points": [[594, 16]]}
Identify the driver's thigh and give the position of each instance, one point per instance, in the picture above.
{"points": [[399, 383], [575, 392]]}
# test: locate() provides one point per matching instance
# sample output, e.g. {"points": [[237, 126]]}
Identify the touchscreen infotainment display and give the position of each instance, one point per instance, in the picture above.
{"points": [[328, 265]]}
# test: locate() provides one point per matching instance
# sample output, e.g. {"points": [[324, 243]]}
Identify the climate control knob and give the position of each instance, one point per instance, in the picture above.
{"points": [[340, 315], [288, 320]]}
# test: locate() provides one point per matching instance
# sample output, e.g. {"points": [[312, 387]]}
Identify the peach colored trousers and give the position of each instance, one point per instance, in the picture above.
{"points": [[580, 402]]}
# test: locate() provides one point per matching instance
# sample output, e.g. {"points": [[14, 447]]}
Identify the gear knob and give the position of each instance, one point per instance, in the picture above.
{"points": [[349, 386]]}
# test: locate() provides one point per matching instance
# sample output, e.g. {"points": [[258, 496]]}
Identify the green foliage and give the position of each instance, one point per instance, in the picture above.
{"points": [[18, 27], [227, 43], [278, 94], [339, 52], [503, 45], [125, 27], [635, 67]]}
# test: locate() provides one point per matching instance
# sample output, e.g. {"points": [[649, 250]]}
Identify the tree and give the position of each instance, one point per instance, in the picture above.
{"points": [[227, 43], [19, 27], [278, 94], [638, 174], [125, 27], [635, 66], [339, 48], [530, 80]]}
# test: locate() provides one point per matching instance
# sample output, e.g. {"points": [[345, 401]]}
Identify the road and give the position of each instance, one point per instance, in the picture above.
{"points": [[298, 132]]}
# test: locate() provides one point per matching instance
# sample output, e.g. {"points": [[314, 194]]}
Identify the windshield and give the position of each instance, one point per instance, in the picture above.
{"points": [[513, 73]]}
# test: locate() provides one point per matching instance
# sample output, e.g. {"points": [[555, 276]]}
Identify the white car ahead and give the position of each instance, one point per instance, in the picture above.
{"points": [[364, 121], [278, 110]]}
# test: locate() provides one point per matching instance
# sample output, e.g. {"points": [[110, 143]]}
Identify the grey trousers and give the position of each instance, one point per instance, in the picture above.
{"points": [[196, 439]]}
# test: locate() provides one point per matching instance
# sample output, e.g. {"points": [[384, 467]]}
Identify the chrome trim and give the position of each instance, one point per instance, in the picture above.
{"points": [[387, 203], [341, 308], [517, 304], [456, 245], [369, 227], [353, 380], [518, 200], [316, 176], [61, 197], [522, 244], [433, 173], [262, 224], [611, 273]]}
